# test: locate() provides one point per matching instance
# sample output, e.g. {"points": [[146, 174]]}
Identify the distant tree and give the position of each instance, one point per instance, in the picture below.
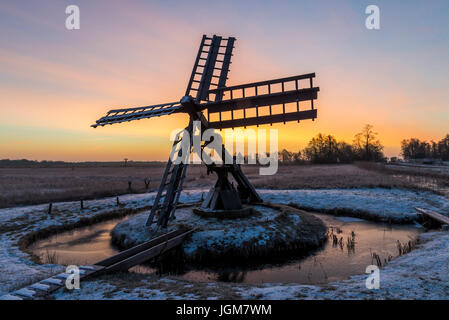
{"points": [[434, 153], [285, 156], [297, 157], [126, 161], [415, 149], [443, 148], [326, 149], [345, 154], [366, 145]]}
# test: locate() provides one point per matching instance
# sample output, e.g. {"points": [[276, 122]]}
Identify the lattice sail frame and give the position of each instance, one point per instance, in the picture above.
{"points": [[212, 63], [256, 100], [130, 114]]}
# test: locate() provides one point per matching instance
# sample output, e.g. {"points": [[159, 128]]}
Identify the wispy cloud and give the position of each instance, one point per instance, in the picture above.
{"points": [[54, 83]]}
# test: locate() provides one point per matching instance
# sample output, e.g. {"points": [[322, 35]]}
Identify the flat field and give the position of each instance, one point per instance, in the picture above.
{"points": [[33, 185]]}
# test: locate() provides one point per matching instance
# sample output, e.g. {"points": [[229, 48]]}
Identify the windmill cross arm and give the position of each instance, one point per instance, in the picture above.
{"points": [[131, 114]]}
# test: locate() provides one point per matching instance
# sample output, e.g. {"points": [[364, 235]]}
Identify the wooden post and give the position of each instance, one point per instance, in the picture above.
{"points": [[147, 184], [129, 185], [118, 201], [82, 205], [50, 207]]}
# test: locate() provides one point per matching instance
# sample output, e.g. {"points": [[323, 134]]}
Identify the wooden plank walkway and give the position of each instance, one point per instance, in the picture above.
{"points": [[433, 215], [119, 262]]}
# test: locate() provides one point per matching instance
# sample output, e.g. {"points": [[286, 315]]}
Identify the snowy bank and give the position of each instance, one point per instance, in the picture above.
{"points": [[391, 205], [421, 274]]}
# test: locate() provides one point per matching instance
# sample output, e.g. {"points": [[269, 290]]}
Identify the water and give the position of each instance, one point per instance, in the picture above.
{"points": [[436, 184], [85, 245], [333, 262]]}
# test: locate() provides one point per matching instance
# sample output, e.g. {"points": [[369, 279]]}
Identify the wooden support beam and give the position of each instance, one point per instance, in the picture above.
{"points": [[148, 253], [139, 248], [434, 215]]}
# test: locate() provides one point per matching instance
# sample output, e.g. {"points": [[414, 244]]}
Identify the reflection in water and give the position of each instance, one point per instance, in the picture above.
{"points": [[352, 245], [231, 276], [440, 184], [85, 245]]}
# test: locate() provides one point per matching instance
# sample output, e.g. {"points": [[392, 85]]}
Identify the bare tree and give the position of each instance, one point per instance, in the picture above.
{"points": [[367, 146]]}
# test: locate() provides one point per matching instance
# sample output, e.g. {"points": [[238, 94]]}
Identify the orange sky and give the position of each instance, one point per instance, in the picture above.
{"points": [[55, 83]]}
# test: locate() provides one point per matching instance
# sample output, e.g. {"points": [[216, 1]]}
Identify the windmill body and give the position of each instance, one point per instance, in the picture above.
{"points": [[207, 93]]}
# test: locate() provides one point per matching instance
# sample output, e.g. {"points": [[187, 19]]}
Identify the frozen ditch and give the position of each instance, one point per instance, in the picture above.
{"points": [[334, 262]]}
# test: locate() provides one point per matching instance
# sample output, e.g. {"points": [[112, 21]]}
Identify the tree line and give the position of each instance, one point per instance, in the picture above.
{"points": [[325, 148], [416, 149]]}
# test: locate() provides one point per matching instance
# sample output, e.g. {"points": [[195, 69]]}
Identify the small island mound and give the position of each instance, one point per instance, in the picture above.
{"points": [[270, 231]]}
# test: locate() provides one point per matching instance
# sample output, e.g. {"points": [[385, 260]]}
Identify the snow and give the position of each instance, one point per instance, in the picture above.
{"points": [[423, 273], [10, 297], [87, 268], [101, 290], [349, 219], [25, 292], [377, 202], [52, 281], [62, 276], [40, 286]]}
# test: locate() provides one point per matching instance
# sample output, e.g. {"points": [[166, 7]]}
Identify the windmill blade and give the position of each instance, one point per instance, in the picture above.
{"points": [[122, 115], [212, 62], [275, 96]]}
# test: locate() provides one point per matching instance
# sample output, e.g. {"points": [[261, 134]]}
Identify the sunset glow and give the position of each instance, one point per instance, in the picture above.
{"points": [[55, 83]]}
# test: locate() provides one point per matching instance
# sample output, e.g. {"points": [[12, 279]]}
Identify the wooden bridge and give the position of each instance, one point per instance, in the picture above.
{"points": [[119, 262], [433, 215]]}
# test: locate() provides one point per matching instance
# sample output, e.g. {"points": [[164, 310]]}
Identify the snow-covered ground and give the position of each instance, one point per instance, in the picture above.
{"points": [[421, 274], [16, 269], [384, 204]]}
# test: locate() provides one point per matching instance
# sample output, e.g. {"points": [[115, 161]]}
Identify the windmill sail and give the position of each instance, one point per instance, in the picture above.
{"points": [[255, 100], [211, 67], [130, 114]]}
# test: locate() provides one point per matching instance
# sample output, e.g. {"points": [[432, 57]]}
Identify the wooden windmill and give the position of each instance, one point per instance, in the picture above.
{"points": [[207, 93]]}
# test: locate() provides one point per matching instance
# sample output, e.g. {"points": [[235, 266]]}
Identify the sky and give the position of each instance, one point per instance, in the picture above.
{"points": [[54, 82]]}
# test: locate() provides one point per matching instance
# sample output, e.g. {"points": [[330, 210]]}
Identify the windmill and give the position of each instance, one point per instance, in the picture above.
{"points": [[207, 93]]}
